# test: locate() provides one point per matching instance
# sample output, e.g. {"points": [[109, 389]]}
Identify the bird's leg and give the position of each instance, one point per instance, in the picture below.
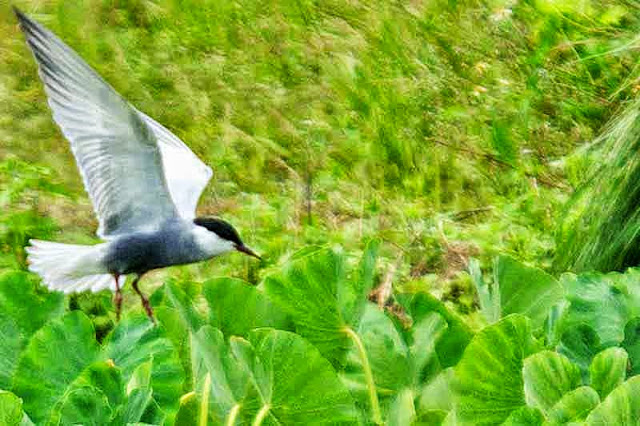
{"points": [[117, 298], [145, 301]]}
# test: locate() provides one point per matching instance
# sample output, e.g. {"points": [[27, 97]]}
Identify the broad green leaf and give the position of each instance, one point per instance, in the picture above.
{"points": [[547, 377], [631, 344], [83, 405], [230, 384], [11, 413], [599, 301], [526, 290], [524, 416], [574, 406], [135, 341], [452, 343], [352, 296], [236, 307], [57, 354], [402, 411], [438, 394], [92, 398], [188, 411], [275, 373], [580, 344], [423, 358], [388, 354], [488, 380], [298, 385], [22, 313], [621, 407], [488, 296], [608, 370], [183, 305], [316, 292]]}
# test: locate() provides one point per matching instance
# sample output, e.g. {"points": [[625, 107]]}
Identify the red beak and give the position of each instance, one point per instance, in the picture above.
{"points": [[247, 250]]}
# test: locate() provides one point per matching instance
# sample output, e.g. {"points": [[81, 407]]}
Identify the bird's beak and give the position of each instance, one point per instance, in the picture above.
{"points": [[246, 250]]}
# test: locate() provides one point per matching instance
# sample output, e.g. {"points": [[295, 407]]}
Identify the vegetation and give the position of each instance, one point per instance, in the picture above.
{"points": [[418, 177]]}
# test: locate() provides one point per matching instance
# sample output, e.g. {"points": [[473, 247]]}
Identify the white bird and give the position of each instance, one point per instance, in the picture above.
{"points": [[144, 183]]}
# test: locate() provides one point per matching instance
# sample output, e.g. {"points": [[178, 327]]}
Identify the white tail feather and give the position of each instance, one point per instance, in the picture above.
{"points": [[70, 268]]}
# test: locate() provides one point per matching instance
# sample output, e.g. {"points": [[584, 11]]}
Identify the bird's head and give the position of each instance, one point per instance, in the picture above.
{"points": [[225, 232]]}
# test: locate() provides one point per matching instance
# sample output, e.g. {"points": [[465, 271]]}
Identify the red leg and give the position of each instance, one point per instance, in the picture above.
{"points": [[118, 297], [145, 301]]}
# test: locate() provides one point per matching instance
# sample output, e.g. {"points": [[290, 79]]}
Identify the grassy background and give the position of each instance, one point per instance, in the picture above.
{"points": [[448, 128]]}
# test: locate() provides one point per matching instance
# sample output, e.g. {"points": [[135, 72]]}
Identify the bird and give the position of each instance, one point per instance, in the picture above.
{"points": [[143, 181]]}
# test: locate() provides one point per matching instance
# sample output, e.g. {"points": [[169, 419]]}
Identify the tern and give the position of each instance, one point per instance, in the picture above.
{"points": [[143, 181]]}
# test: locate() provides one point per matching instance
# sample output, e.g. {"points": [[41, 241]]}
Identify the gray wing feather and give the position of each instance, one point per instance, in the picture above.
{"points": [[116, 152]]}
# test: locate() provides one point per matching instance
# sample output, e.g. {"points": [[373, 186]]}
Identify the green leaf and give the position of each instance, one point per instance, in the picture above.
{"points": [[580, 344], [452, 343], [298, 385], [177, 299], [402, 411], [488, 297], [631, 344], [93, 398], [388, 354], [438, 393], [621, 407], [22, 313], [526, 290], [231, 387], [547, 377], [574, 406], [312, 291], [598, 301], [236, 307], [423, 358], [488, 383], [11, 413], [57, 354], [275, 373], [524, 416], [608, 370], [135, 341], [351, 297]]}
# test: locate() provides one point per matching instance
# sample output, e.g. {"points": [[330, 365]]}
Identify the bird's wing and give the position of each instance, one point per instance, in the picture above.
{"points": [[185, 174], [115, 149]]}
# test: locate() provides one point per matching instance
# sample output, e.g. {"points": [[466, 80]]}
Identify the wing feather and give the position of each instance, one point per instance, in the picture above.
{"points": [[116, 147]]}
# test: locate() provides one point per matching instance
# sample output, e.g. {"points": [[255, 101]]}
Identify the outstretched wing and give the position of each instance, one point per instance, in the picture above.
{"points": [[185, 174], [115, 149]]}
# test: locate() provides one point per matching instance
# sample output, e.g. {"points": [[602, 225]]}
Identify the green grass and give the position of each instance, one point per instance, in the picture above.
{"points": [[446, 128]]}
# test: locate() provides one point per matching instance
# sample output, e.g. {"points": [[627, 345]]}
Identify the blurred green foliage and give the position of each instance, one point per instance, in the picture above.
{"points": [[444, 127]]}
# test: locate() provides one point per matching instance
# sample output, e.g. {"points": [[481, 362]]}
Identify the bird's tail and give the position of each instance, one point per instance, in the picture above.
{"points": [[70, 268]]}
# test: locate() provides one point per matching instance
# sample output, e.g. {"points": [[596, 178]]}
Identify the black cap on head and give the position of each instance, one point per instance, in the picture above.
{"points": [[222, 228]]}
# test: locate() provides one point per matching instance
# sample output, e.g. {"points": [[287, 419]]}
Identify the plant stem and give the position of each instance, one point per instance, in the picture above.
{"points": [[233, 414], [204, 404], [373, 394], [262, 414]]}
